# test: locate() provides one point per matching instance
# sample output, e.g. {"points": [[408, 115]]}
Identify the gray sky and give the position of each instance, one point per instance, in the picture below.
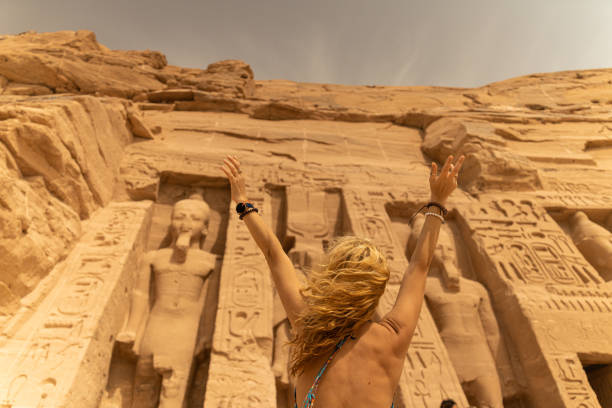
{"points": [[461, 43]]}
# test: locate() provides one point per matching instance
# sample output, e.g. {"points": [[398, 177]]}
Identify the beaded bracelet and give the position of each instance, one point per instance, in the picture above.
{"points": [[435, 215], [443, 210], [440, 206], [250, 210]]}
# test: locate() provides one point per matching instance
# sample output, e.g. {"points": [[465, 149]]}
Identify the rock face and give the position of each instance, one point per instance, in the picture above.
{"points": [[60, 162], [98, 146], [68, 61]]}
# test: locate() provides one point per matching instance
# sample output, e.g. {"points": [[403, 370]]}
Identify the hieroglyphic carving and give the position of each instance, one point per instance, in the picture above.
{"points": [[60, 358], [526, 245], [240, 373], [576, 299], [577, 392], [573, 200], [428, 376]]}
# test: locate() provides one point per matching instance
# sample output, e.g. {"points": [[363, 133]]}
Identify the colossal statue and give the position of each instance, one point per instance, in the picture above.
{"points": [[163, 336], [462, 311], [594, 241]]}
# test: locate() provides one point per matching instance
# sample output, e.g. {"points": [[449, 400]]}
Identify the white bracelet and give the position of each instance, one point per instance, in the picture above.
{"points": [[436, 215]]}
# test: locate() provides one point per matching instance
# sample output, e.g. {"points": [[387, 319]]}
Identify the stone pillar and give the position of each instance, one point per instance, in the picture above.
{"points": [[551, 301], [428, 376], [240, 373], [60, 357]]}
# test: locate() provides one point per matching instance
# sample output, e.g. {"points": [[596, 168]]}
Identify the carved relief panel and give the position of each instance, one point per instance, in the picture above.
{"points": [[60, 356], [240, 371], [526, 245]]}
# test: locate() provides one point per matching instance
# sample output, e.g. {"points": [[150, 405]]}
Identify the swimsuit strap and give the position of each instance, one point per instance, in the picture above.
{"points": [[310, 396]]}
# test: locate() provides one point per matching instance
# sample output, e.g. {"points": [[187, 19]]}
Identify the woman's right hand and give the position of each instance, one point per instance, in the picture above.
{"points": [[443, 184], [231, 168]]}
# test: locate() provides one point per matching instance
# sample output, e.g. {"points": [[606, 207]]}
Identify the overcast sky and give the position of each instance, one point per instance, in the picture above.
{"points": [[461, 43]]}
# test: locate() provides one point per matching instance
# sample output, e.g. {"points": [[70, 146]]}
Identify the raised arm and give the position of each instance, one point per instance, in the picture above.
{"points": [[403, 317], [283, 273]]}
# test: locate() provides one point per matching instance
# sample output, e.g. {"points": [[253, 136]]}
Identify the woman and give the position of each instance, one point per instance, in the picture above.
{"points": [[334, 333]]}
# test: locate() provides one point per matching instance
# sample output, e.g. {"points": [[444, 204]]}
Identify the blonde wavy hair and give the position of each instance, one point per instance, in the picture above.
{"points": [[341, 295]]}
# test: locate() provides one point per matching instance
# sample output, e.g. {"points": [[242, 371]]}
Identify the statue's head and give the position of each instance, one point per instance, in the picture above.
{"points": [[448, 258], [445, 256], [189, 220]]}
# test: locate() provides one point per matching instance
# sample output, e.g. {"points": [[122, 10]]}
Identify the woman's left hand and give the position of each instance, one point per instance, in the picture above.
{"points": [[232, 170]]}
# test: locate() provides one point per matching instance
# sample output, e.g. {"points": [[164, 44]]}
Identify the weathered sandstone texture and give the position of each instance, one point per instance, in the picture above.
{"points": [[109, 169]]}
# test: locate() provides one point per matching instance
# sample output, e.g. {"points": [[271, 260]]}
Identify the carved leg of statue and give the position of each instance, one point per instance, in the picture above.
{"points": [[280, 367], [485, 391], [146, 384], [174, 384]]}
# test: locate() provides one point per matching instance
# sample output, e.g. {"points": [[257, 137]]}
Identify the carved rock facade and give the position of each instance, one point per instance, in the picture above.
{"points": [[96, 147]]}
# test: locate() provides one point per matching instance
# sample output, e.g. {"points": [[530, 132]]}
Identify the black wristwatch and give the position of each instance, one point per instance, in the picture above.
{"points": [[242, 207]]}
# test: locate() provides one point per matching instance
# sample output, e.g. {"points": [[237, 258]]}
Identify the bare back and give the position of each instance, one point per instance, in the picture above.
{"points": [[364, 373]]}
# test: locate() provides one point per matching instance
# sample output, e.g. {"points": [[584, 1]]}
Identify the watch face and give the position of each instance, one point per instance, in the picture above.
{"points": [[240, 208]]}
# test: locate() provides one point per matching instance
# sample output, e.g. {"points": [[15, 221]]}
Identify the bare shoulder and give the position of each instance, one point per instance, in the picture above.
{"points": [[476, 286], [152, 256], [203, 261], [383, 335], [205, 256]]}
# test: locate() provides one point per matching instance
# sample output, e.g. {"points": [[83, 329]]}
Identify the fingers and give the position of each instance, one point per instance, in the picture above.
{"points": [[235, 162], [458, 165], [447, 165], [232, 168], [434, 169], [227, 172]]}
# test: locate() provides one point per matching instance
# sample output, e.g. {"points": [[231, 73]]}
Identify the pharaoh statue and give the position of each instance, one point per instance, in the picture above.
{"points": [[463, 314], [306, 227], [162, 332], [594, 241]]}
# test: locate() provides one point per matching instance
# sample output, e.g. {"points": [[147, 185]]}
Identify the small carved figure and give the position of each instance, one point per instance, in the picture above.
{"points": [[594, 241], [163, 336], [306, 226], [462, 311]]}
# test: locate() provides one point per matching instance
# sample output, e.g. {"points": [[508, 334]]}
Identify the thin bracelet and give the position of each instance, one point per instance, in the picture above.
{"points": [[436, 215], [250, 210], [443, 210], [437, 210], [440, 206]]}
